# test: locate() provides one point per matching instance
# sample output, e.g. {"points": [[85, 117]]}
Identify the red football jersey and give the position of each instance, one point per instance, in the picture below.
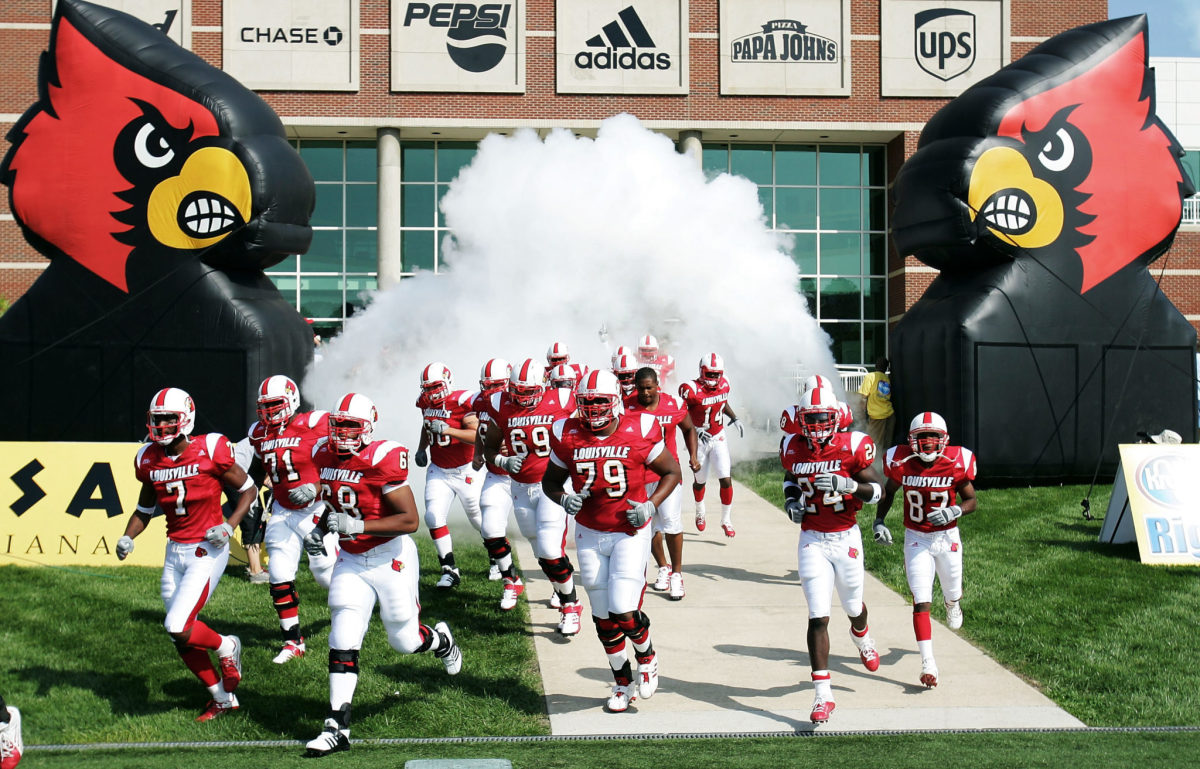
{"points": [[844, 454], [287, 455], [480, 405], [612, 469], [580, 371], [663, 365], [527, 431], [928, 488], [670, 414], [356, 484], [188, 487], [445, 451], [705, 405]]}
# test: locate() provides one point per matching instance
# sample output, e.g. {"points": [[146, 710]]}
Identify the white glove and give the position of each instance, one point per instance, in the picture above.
{"points": [[737, 424], [573, 503], [794, 510], [421, 457], [944, 515], [344, 524], [883, 535], [218, 536], [124, 547], [303, 495], [704, 435], [639, 512], [436, 426], [314, 542], [511, 464], [838, 484]]}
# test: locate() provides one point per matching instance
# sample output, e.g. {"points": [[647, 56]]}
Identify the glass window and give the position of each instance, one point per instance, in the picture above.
{"points": [[417, 205], [362, 250], [752, 161], [768, 205], [442, 189], [361, 162], [875, 249], [874, 341], [796, 208], [324, 160], [874, 171], [875, 299], [839, 166], [417, 250], [796, 165], [362, 207], [416, 162], [840, 253], [325, 253], [808, 287], [804, 252], [875, 209], [839, 209], [321, 297], [840, 299], [358, 292], [287, 265], [452, 157], [715, 159], [846, 344], [328, 212]]}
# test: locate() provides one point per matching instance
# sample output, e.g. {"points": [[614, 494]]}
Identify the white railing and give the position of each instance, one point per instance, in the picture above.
{"points": [[1191, 210], [851, 376]]}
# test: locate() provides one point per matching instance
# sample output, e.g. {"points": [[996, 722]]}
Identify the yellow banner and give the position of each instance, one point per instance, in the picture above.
{"points": [[1164, 497]]}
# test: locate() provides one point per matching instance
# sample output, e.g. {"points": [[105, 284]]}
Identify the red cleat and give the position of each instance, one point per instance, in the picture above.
{"points": [[700, 522], [215, 708], [728, 529], [822, 710], [231, 666]]}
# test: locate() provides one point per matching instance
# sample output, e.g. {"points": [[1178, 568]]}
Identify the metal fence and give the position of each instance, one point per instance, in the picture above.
{"points": [[1191, 210]]}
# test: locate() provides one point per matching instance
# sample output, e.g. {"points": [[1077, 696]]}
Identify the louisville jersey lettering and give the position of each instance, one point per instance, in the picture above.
{"points": [[356, 484], [287, 455], [670, 414], [705, 405], [187, 487], [611, 469], [928, 488], [844, 454], [445, 451], [527, 431]]}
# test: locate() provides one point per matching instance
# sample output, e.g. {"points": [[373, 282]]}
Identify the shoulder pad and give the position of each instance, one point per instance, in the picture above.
{"points": [[320, 444], [856, 439], [648, 423], [494, 400], [315, 417], [212, 441], [558, 427], [380, 450], [889, 456], [253, 427], [137, 460]]}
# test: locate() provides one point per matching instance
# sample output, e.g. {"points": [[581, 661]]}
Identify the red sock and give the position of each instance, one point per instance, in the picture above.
{"points": [[726, 495], [439, 532], [199, 663], [698, 493], [921, 626], [203, 636]]}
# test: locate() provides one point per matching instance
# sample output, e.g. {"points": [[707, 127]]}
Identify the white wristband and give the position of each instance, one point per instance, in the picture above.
{"points": [[876, 494], [249, 484], [145, 510]]}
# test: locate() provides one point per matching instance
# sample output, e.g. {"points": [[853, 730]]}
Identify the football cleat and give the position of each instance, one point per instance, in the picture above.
{"points": [[700, 522], [866, 651], [929, 672], [11, 745], [216, 708], [332, 739], [822, 710], [555, 600], [448, 652], [290, 651], [231, 666], [648, 677], [512, 590], [728, 529], [954, 615], [677, 586], [568, 624], [663, 582], [618, 701], [450, 578], [494, 574]]}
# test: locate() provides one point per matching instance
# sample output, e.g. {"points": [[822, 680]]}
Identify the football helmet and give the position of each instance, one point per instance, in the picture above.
{"points": [[845, 416], [493, 377], [598, 399], [435, 382], [170, 401], [558, 353], [620, 351], [712, 368], [928, 436], [647, 349], [563, 375], [816, 380], [278, 401], [819, 414], [525, 385], [352, 423], [625, 370]]}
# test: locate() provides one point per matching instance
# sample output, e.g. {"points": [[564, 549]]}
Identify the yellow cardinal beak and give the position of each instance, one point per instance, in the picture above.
{"points": [[209, 199], [1011, 202]]}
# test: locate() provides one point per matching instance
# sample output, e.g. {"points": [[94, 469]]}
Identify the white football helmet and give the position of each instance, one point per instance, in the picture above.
{"points": [[168, 402], [435, 382], [625, 370], [712, 368], [352, 423], [278, 401], [820, 413], [598, 399], [647, 349], [563, 375], [525, 384], [816, 380], [620, 351], [558, 353], [494, 375], [928, 436]]}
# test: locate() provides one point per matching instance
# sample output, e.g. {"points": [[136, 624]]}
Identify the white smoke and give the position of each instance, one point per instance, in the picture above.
{"points": [[554, 239]]}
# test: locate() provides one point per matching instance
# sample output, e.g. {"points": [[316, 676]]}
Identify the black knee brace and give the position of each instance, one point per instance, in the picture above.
{"points": [[497, 547], [557, 569], [284, 595], [343, 661]]}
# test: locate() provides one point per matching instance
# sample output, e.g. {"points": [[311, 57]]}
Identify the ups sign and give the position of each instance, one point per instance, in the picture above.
{"points": [[940, 47]]}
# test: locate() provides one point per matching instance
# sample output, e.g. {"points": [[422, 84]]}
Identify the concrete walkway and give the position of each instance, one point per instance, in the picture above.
{"points": [[732, 654]]}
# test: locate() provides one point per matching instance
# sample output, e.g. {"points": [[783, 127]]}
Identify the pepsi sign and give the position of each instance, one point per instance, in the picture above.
{"points": [[458, 46]]}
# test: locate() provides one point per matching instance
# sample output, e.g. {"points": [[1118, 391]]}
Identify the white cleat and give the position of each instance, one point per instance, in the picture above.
{"points": [[331, 740], [677, 586], [618, 701], [450, 578], [569, 623], [290, 651], [648, 677], [448, 652], [929, 672], [11, 745], [663, 581], [555, 600], [513, 588], [954, 615], [494, 574]]}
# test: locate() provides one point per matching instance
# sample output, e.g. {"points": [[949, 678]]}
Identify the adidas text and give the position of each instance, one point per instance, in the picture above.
{"points": [[631, 59]]}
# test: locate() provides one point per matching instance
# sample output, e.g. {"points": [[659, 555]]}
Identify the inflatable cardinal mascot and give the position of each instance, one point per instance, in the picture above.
{"points": [[160, 189], [1042, 194]]}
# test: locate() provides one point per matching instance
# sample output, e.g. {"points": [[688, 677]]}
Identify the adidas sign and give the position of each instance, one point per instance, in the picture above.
{"points": [[621, 45]]}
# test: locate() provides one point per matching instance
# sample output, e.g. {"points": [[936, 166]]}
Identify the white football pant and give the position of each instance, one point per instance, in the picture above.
{"points": [[714, 458], [284, 540], [189, 578], [388, 572], [829, 560], [442, 485], [928, 552], [495, 505], [550, 520], [612, 568], [668, 517]]}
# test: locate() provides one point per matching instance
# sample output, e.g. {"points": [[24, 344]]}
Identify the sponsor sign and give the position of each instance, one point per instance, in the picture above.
{"points": [[173, 17], [467, 47], [940, 47], [295, 45], [785, 47], [1158, 496], [622, 46]]}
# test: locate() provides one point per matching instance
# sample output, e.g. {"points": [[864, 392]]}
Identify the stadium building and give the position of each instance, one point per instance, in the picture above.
{"points": [[817, 102]]}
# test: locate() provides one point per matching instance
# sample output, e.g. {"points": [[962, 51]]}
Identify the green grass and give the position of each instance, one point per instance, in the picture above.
{"points": [[1107, 638]]}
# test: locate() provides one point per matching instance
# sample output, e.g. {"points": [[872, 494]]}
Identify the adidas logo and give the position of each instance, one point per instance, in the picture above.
{"points": [[619, 45]]}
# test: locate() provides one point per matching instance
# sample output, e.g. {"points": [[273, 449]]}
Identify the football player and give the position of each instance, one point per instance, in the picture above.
{"points": [[558, 355], [184, 477], [827, 478], [938, 490], [625, 369], [495, 497], [283, 439], [606, 456], [563, 377], [520, 445], [707, 401], [648, 354], [668, 517], [448, 432], [370, 506]]}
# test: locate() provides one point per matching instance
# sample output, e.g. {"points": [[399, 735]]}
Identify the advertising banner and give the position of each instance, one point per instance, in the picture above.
{"points": [[292, 45], [940, 47], [785, 48], [458, 47], [173, 17], [620, 47], [1163, 484]]}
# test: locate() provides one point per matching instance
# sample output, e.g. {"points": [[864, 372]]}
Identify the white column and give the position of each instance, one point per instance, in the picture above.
{"points": [[390, 262], [689, 144]]}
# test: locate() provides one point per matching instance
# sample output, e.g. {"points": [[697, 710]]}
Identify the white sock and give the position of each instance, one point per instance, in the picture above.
{"points": [[727, 514], [226, 648], [926, 649]]}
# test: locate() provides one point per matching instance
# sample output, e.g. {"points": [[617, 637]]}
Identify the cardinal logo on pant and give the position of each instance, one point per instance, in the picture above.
{"points": [[397, 565], [852, 552], [944, 42], [201, 552]]}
